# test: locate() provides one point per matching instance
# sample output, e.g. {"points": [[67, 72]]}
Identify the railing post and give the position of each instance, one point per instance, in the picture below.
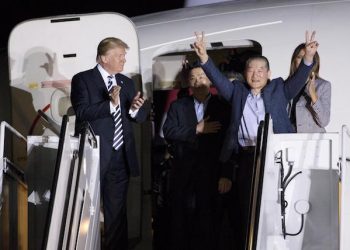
{"points": [[3, 126], [345, 191]]}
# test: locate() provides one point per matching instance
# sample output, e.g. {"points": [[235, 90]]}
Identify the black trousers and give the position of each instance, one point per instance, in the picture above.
{"points": [[114, 188], [242, 186], [193, 193]]}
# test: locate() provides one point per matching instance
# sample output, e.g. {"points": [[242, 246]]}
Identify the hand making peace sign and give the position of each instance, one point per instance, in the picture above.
{"points": [[311, 46], [200, 47]]}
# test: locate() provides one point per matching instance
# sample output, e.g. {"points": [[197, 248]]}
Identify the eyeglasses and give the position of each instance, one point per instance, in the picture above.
{"points": [[284, 181]]}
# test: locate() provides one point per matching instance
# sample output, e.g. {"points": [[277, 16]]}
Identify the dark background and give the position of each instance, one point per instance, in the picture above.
{"points": [[22, 10]]}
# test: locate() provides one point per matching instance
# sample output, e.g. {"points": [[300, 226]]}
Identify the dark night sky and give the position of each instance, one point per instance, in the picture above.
{"points": [[21, 10]]}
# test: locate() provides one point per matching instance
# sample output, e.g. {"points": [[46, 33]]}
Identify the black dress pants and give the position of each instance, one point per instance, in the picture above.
{"points": [[192, 207], [114, 188], [242, 186]]}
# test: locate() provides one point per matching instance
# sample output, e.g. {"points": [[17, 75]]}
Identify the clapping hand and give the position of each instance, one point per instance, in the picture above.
{"points": [[200, 47], [137, 102], [114, 94]]}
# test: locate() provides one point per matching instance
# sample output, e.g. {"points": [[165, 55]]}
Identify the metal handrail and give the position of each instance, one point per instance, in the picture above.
{"points": [[344, 131], [14, 172], [3, 126], [8, 169], [343, 175]]}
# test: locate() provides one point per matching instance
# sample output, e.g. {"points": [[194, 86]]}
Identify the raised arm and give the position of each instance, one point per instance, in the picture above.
{"points": [[311, 46], [200, 47], [223, 85], [298, 80]]}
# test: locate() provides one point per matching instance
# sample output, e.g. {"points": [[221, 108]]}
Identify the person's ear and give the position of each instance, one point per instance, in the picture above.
{"points": [[104, 58], [269, 74]]}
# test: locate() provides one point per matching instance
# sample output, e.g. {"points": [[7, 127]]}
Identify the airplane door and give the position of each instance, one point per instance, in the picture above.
{"points": [[44, 54]]}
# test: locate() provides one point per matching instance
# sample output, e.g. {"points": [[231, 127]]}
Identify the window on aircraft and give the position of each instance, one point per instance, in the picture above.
{"points": [[228, 56]]}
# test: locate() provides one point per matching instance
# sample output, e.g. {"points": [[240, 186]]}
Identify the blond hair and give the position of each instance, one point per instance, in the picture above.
{"points": [[107, 44]]}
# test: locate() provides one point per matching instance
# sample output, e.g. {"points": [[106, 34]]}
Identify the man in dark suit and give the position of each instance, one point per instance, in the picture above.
{"points": [[108, 100], [195, 127], [250, 101]]}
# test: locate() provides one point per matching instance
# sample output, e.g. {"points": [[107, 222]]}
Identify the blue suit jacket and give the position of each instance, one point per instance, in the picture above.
{"points": [[90, 101], [275, 94]]}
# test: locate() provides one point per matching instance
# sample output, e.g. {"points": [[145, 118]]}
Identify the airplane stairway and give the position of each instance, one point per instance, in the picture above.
{"points": [[297, 202], [13, 193], [60, 204]]}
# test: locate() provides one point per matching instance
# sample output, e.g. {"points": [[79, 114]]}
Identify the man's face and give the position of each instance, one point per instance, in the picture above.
{"points": [[114, 60], [198, 79], [257, 74]]}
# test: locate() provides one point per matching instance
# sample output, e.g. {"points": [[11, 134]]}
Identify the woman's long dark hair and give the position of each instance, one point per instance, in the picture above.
{"points": [[315, 70]]}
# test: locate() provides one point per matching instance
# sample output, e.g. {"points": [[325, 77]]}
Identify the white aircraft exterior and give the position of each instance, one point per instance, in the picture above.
{"points": [[45, 53], [278, 26]]}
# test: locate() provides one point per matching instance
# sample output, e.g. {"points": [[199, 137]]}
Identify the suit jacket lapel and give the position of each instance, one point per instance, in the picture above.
{"points": [[99, 82], [191, 111], [122, 85], [211, 107]]}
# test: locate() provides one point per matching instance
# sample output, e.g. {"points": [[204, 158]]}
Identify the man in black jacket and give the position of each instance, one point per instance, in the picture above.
{"points": [[108, 100], [195, 127]]}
